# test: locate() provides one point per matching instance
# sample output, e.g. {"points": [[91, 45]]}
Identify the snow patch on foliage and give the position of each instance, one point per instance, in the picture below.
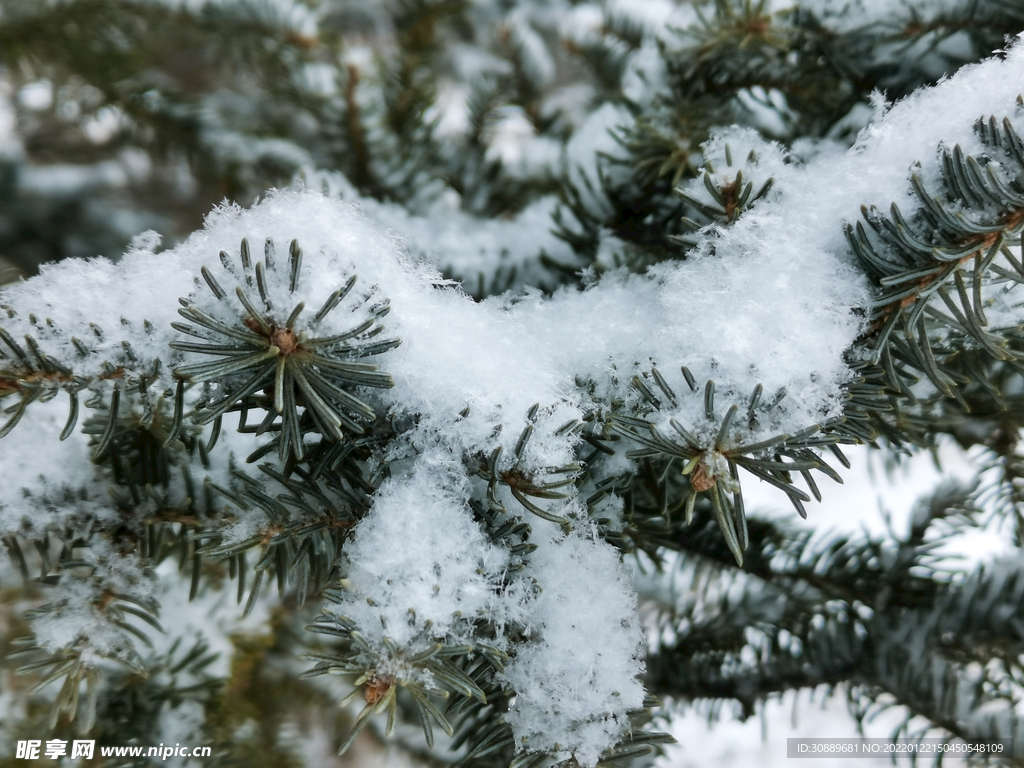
{"points": [[34, 498], [646, 77], [913, 128], [576, 677], [653, 15], [466, 247], [588, 152], [536, 62], [11, 149], [78, 614], [736, 157], [419, 568]]}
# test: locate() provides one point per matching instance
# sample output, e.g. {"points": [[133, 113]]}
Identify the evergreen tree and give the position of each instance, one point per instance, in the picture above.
{"points": [[448, 408]]}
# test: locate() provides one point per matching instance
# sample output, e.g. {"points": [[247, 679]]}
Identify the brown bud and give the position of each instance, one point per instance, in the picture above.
{"points": [[378, 688], [700, 480], [284, 339]]}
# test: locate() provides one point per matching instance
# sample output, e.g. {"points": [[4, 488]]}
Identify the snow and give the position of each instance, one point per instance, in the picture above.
{"points": [[76, 617], [466, 247], [914, 127], [27, 485], [440, 582], [652, 14], [513, 142], [36, 96], [587, 151], [576, 678], [646, 76], [581, 21], [537, 64], [10, 143], [737, 150], [73, 180]]}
